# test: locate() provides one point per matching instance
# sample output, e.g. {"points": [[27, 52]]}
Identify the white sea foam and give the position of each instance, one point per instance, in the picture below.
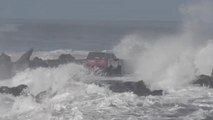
{"points": [[42, 79]]}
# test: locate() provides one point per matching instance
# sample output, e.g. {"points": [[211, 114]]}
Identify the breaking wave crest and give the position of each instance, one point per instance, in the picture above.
{"points": [[41, 79]]}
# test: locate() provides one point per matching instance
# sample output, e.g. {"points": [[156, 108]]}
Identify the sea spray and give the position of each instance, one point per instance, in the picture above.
{"points": [[162, 63], [171, 62], [42, 79], [204, 59]]}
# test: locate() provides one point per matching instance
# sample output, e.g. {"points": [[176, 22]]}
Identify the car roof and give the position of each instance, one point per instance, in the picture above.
{"points": [[101, 54]]}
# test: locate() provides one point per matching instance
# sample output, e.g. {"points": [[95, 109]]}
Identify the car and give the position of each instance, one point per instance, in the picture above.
{"points": [[106, 62]]}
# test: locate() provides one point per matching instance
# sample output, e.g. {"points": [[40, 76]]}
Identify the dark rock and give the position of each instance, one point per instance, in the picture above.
{"points": [[62, 59], [66, 58], [25, 57], [21, 90], [4, 89], [5, 66], [139, 88], [9, 68], [204, 80], [15, 91], [157, 92], [52, 63], [23, 62], [38, 62]]}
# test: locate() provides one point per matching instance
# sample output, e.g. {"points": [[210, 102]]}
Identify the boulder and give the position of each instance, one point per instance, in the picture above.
{"points": [[139, 88], [66, 58], [38, 62], [23, 62], [5, 66], [62, 59], [15, 91], [204, 80]]}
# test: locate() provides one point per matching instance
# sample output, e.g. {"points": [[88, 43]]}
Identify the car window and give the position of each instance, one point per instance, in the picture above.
{"points": [[97, 55]]}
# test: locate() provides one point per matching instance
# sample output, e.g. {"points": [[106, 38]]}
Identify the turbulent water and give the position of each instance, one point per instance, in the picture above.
{"points": [[76, 99]]}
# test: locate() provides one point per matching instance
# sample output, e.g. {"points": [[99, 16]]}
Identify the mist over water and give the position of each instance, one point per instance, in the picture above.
{"points": [[203, 60], [171, 62]]}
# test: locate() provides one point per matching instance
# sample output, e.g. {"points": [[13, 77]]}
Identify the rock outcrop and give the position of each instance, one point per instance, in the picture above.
{"points": [[8, 68], [204, 80], [139, 88], [15, 91], [5, 66], [62, 59]]}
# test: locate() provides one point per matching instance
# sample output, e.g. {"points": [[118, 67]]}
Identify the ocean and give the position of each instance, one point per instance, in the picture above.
{"points": [[20, 35]]}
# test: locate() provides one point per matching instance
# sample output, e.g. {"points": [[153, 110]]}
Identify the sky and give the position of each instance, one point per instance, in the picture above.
{"points": [[91, 9]]}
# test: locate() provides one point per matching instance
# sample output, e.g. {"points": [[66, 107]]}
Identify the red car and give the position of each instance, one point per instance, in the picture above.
{"points": [[106, 62]]}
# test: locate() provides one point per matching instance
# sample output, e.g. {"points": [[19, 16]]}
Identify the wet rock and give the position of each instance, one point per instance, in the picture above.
{"points": [[44, 95], [21, 90], [62, 59], [23, 62], [15, 91], [5, 66], [9, 68], [38, 62], [66, 58], [139, 88], [204, 80], [25, 58]]}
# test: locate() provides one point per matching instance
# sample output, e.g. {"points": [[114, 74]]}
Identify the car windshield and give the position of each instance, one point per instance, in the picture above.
{"points": [[97, 55]]}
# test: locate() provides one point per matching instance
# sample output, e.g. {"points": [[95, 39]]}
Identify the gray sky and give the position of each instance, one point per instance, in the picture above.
{"points": [[91, 9]]}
